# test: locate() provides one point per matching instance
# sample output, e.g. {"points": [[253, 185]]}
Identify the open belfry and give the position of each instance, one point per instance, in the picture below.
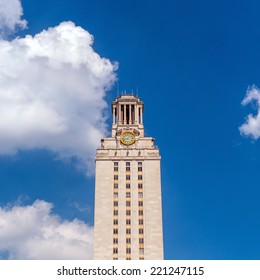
{"points": [[128, 210]]}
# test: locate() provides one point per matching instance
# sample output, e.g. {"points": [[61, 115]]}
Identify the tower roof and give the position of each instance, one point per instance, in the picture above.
{"points": [[127, 97]]}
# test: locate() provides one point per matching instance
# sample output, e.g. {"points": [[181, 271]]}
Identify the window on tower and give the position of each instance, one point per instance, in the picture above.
{"points": [[115, 212], [141, 240], [115, 250], [116, 203], [115, 241], [141, 250]]}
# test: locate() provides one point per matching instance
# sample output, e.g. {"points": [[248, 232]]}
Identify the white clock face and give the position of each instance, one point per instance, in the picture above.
{"points": [[127, 138]]}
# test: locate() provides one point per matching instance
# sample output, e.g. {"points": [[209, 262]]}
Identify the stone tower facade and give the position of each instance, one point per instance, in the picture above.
{"points": [[128, 211]]}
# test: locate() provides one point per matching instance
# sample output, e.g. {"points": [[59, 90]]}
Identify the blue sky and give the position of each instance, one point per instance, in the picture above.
{"points": [[193, 63]]}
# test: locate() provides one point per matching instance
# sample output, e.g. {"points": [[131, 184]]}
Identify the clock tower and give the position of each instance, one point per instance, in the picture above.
{"points": [[128, 213]]}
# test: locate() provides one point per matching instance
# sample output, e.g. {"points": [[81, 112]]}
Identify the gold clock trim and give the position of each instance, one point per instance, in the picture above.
{"points": [[126, 142]]}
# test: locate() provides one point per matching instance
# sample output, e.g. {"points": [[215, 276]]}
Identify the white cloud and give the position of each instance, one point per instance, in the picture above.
{"points": [[11, 16], [33, 232], [52, 89], [252, 125]]}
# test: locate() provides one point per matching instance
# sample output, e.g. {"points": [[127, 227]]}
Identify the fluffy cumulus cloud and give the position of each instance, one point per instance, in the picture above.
{"points": [[33, 232], [11, 16], [52, 89], [251, 127]]}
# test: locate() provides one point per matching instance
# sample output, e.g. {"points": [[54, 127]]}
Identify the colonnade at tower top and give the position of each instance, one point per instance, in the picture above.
{"points": [[127, 110]]}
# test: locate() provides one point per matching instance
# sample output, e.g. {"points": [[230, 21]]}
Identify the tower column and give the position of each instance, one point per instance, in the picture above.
{"points": [[119, 114], [130, 114], [114, 115], [141, 115], [136, 114], [124, 113]]}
